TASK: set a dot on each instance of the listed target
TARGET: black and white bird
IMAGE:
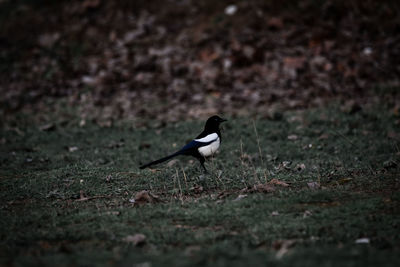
(203, 146)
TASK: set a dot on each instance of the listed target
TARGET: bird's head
(214, 122)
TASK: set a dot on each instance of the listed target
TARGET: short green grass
(200, 220)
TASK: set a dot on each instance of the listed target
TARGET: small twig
(260, 152)
(179, 183)
(184, 176)
(90, 198)
(241, 152)
(258, 142)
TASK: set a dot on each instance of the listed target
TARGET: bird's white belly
(210, 149)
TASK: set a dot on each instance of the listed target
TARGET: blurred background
(167, 60)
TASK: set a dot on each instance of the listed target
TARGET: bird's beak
(222, 120)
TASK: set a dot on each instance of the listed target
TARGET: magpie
(203, 146)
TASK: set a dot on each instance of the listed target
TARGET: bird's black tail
(160, 160)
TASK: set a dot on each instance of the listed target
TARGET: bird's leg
(202, 160)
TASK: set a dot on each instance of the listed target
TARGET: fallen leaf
(389, 164)
(144, 145)
(231, 10)
(264, 188)
(294, 62)
(223, 195)
(282, 247)
(145, 197)
(116, 144)
(313, 185)
(108, 178)
(307, 213)
(49, 39)
(393, 135)
(275, 23)
(47, 127)
(300, 167)
(286, 164)
(136, 239)
(72, 148)
(172, 162)
(240, 197)
(90, 4)
(278, 182)
(208, 56)
(396, 110)
(351, 107)
(292, 137)
(275, 213)
(283, 165)
(197, 189)
(364, 240)
(82, 195)
(323, 136)
(345, 180)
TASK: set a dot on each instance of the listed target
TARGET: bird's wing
(208, 138)
(196, 143)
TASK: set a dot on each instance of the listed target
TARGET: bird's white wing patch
(208, 138)
(210, 149)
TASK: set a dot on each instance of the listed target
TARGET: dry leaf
(82, 195)
(49, 39)
(144, 196)
(108, 178)
(345, 180)
(240, 197)
(389, 164)
(313, 185)
(393, 135)
(364, 240)
(231, 10)
(275, 23)
(278, 182)
(282, 247)
(264, 188)
(72, 148)
(351, 107)
(294, 62)
(223, 195)
(90, 4)
(136, 239)
(323, 136)
(307, 213)
(47, 127)
(197, 189)
(300, 167)
(172, 162)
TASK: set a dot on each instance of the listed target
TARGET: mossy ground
(66, 193)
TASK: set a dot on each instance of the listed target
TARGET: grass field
(312, 188)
